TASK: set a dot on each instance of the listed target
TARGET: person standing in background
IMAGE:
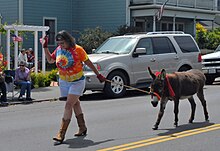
(22, 57)
(30, 58)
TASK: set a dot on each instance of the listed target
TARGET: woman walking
(69, 57)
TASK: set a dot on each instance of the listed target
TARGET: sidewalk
(50, 93)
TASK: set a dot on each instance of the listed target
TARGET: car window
(117, 45)
(186, 44)
(147, 44)
(162, 45)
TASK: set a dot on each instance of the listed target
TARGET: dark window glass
(139, 26)
(162, 45)
(147, 44)
(51, 32)
(180, 27)
(186, 44)
(164, 26)
(170, 27)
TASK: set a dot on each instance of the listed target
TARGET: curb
(29, 102)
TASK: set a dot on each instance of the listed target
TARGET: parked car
(124, 59)
(211, 65)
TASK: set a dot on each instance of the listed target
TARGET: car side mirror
(139, 51)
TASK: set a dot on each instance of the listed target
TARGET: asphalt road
(113, 124)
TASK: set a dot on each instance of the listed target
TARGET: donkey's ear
(151, 73)
(163, 74)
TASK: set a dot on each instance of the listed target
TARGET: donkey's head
(157, 85)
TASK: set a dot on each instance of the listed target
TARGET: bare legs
(72, 103)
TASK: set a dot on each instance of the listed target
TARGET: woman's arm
(46, 50)
(98, 75)
(91, 66)
(48, 55)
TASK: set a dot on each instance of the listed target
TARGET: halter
(171, 92)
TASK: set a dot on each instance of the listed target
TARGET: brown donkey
(176, 86)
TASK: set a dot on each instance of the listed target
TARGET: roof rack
(136, 33)
(165, 32)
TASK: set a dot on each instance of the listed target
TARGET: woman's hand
(44, 41)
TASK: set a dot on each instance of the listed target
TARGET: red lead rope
(151, 93)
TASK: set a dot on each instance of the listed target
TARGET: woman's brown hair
(65, 36)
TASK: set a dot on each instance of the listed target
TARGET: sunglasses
(60, 42)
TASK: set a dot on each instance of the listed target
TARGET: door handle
(152, 59)
(176, 57)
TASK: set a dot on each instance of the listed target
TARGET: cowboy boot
(82, 127)
(61, 134)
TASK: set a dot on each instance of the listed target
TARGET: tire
(209, 80)
(114, 90)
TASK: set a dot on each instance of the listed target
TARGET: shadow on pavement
(185, 127)
(100, 96)
(81, 142)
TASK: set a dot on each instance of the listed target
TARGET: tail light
(199, 57)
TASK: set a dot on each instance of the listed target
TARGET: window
(167, 26)
(162, 45)
(186, 44)
(147, 44)
(52, 31)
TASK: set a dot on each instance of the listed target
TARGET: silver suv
(124, 59)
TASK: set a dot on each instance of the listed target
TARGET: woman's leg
(80, 119)
(70, 103)
(71, 100)
(77, 108)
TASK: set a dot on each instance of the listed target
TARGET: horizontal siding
(107, 14)
(36, 11)
(9, 11)
(50, 8)
(71, 15)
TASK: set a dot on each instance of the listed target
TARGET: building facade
(178, 15)
(77, 15)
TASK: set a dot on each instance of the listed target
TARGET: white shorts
(75, 87)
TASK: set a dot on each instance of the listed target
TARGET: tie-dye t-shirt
(69, 62)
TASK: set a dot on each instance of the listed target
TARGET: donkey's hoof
(190, 121)
(155, 127)
(207, 118)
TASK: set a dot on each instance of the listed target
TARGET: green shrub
(34, 80)
(53, 75)
(92, 38)
(43, 80)
(47, 81)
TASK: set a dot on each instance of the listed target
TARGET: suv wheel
(115, 88)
